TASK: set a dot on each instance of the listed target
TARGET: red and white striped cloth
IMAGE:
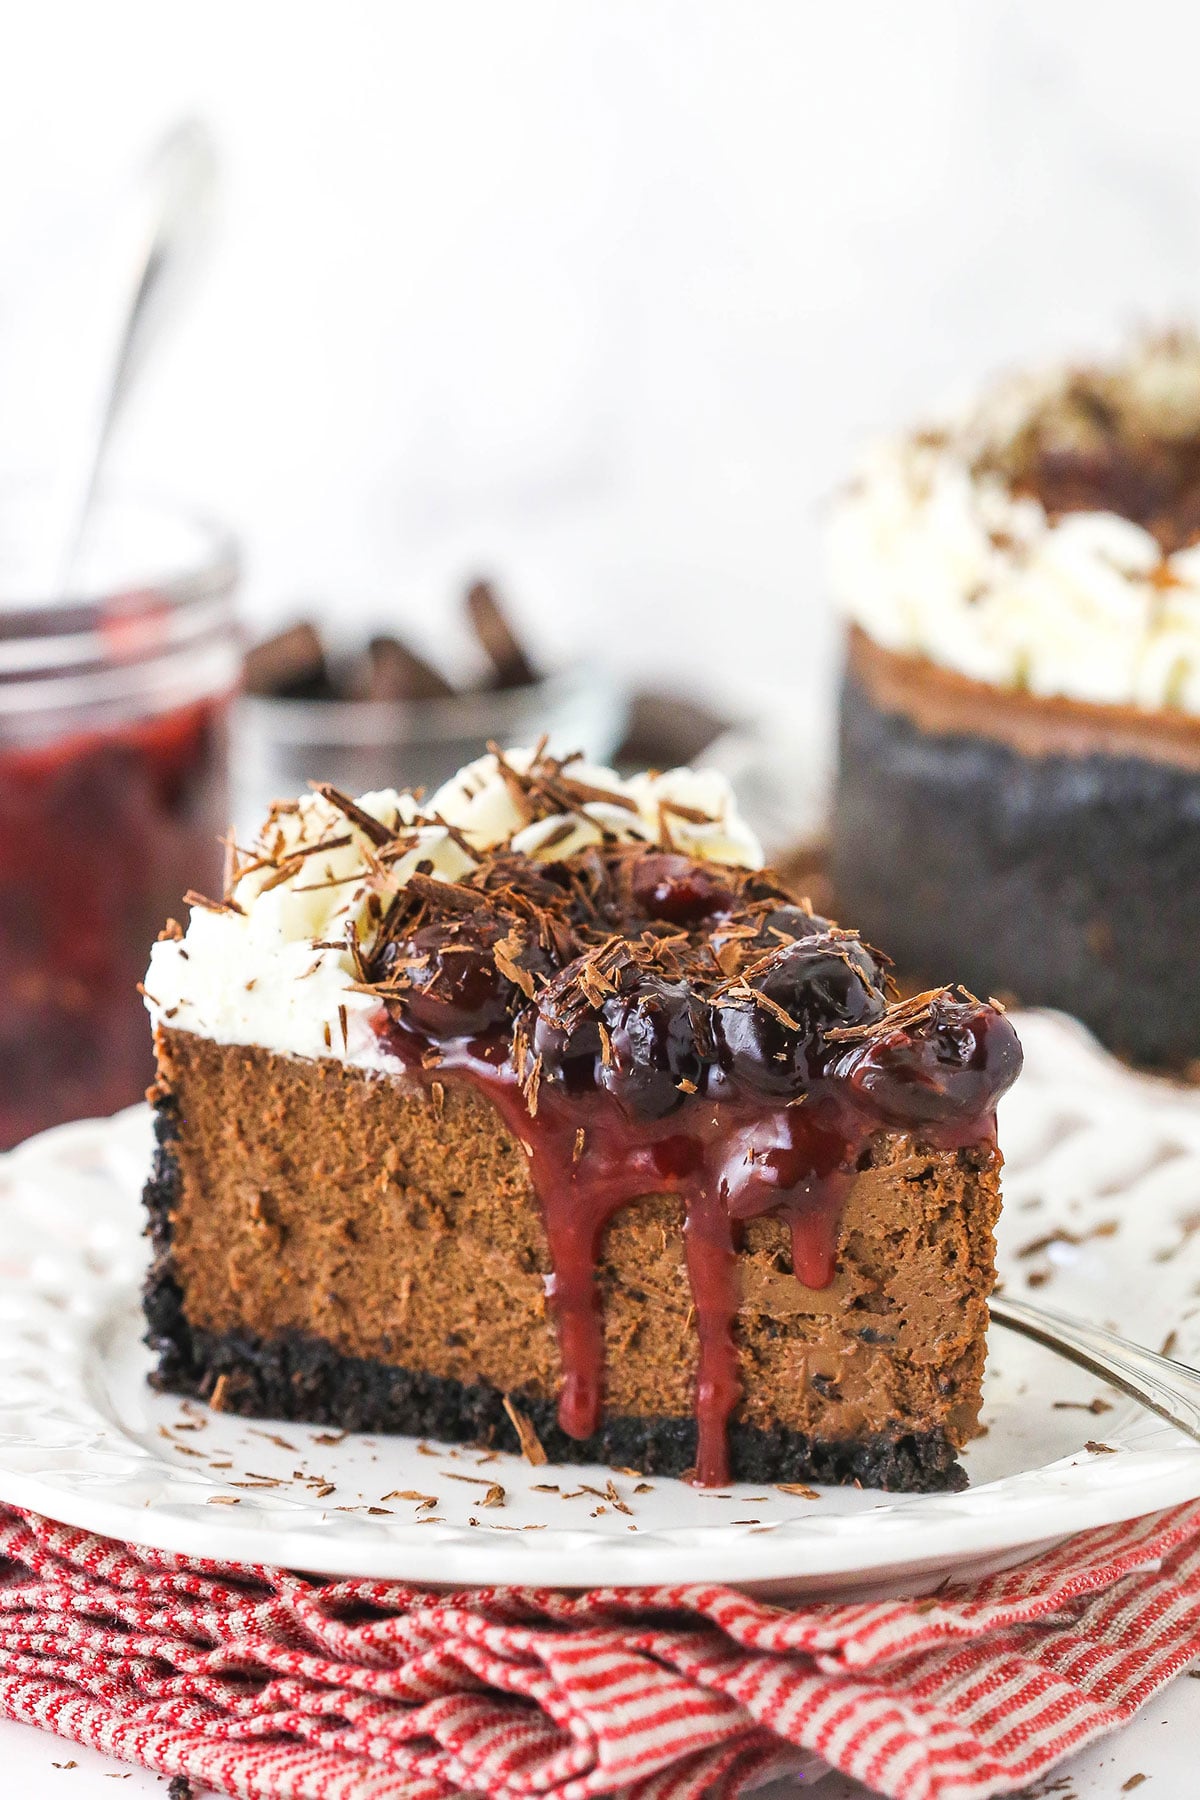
(276, 1686)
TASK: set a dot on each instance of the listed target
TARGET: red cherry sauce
(730, 1156)
(101, 833)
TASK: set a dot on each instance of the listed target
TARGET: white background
(600, 296)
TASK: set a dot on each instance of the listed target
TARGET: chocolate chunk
(492, 628)
(289, 666)
(393, 671)
(665, 730)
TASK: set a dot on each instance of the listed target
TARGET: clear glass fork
(1166, 1387)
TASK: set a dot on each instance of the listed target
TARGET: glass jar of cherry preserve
(113, 793)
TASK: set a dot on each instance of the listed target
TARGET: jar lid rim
(138, 544)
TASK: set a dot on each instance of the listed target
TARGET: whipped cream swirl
(274, 966)
(934, 549)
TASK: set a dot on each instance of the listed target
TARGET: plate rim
(391, 1552)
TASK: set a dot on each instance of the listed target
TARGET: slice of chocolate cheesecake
(539, 1115)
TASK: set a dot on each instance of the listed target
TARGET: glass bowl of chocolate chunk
(381, 715)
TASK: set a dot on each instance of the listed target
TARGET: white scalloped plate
(1102, 1195)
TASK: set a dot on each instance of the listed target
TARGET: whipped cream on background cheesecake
(540, 1106)
(1018, 795)
(944, 547)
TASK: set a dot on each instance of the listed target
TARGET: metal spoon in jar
(1166, 1387)
(152, 239)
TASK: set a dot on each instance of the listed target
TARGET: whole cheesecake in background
(1018, 796)
(537, 1114)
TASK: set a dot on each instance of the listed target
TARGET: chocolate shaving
(515, 783)
(448, 896)
(355, 948)
(692, 814)
(773, 1007)
(457, 837)
(531, 1447)
(317, 887)
(294, 861)
(582, 793)
(902, 1015)
(370, 827)
(545, 789)
(192, 898)
(1035, 1246)
(504, 955)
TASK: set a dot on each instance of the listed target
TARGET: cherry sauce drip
(738, 1110)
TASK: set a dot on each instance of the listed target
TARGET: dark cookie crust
(1067, 881)
(302, 1377)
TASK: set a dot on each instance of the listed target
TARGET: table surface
(1160, 1745)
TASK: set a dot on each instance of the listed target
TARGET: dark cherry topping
(793, 922)
(654, 1054)
(646, 1023)
(1106, 443)
(947, 1060)
(1155, 485)
(823, 981)
(772, 1033)
(668, 886)
(454, 987)
(453, 975)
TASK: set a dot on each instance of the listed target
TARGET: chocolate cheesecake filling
(941, 703)
(651, 1028)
